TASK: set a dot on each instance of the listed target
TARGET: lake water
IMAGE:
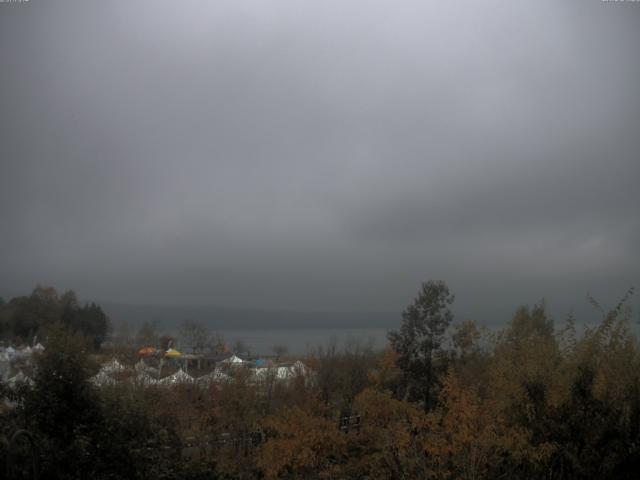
(301, 341)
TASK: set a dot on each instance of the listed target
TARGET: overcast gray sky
(320, 154)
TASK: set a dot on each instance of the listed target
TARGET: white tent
(112, 367)
(20, 378)
(38, 347)
(144, 379)
(214, 377)
(141, 366)
(262, 373)
(179, 377)
(299, 368)
(284, 373)
(101, 379)
(233, 360)
(19, 353)
(10, 352)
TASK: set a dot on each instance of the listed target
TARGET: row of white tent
(144, 378)
(19, 379)
(283, 372)
(9, 354)
(148, 375)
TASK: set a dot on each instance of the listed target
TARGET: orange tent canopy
(146, 351)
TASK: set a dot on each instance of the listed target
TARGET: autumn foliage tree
(301, 445)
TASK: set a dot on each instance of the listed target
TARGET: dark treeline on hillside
(444, 400)
(27, 317)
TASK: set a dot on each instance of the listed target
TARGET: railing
(350, 423)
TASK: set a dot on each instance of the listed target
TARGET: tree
(123, 334)
(465, 337)
(147, 335)
(70, 310)
(465, 439)
(419, 339)
(88, 320)
(387, 446)
(354, 364)
(166, 341)
(94, 324)
(240, 347)
(42, 308)
(387, 376)
(194, 335)
(325, 362)
(280, 351)
(5, 319)
(219, 345)
(83, 432)
(301, 445)
(63, 408)
(525, 352)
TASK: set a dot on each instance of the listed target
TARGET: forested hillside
(25, 318)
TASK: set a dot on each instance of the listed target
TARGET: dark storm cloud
(320, 154)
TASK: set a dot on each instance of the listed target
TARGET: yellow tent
(172, 353)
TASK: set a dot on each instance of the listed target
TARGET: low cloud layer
(320, 155)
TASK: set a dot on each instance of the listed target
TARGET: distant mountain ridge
(221, 318)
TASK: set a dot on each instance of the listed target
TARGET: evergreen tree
(63, 408)
(419, 339)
